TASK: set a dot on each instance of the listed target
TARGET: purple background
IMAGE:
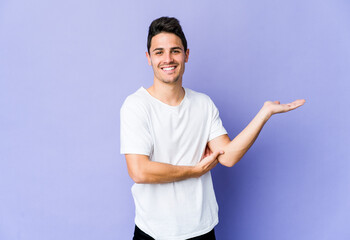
(67, 66)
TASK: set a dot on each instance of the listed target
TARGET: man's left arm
(235, 149)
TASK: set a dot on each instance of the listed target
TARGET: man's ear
(148, 59)
(187, 54)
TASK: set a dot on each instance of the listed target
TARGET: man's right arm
(142, 170)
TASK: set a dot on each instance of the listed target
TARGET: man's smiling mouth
(169, 69)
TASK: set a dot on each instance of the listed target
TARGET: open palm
(276, 107)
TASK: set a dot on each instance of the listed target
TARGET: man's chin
(170, 81)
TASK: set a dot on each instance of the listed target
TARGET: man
(172, 137)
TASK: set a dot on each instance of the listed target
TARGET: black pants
(140, 235)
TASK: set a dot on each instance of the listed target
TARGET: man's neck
(171, 94)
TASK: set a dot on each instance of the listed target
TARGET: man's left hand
(276, 107)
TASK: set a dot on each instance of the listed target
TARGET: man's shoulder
(136, 97)
(136, 100)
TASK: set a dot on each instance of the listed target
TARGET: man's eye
(176, 51)
(158, 53)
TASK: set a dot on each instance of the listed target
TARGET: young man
(172, 137)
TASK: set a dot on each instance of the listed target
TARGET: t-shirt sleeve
(135, 137)
(216, 128)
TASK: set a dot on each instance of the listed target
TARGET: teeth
(169, 68)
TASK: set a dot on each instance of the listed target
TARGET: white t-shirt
(176, 135)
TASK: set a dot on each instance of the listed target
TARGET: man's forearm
(236, 149)
(156, 172)
(143, 170)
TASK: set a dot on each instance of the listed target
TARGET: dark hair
(166, 24)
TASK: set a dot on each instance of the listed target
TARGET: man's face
(167, 57)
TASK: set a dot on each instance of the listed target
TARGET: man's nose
(168, 57)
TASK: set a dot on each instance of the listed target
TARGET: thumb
(216, 154)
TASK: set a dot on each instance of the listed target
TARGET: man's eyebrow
(161, 49)
(157, 49)
(176, 48)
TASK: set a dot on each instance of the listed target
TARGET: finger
(207, 151)
(205, 154)
(296, 104)
(213, 164)
(216, 154)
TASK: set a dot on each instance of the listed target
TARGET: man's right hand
(209, 161)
